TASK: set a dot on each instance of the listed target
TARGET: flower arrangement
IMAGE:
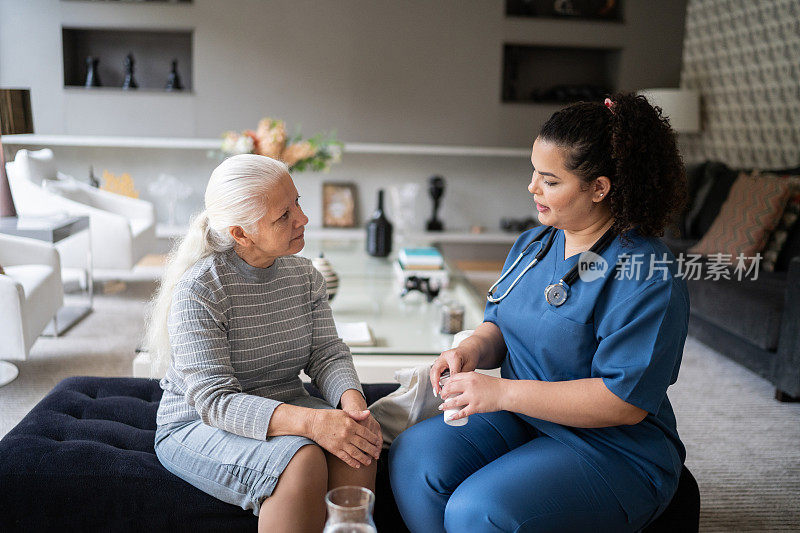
(270, 139)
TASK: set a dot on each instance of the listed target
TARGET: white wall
(375, 71)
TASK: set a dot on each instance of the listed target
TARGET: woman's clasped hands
(352, 436)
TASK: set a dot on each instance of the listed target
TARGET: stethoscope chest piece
(556, 293)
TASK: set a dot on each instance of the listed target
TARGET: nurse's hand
(473, 392)
(459, 359)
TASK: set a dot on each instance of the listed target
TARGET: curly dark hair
(633, 145)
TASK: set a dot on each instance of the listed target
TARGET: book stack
(421, 259)
(426, 262)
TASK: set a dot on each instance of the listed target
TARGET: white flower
(244, 144)
(233, 143)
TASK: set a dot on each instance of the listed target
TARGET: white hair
(236, 195)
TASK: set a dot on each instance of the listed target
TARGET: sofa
(31, 293)
(122, 229)
(755, 322)
(83, 460)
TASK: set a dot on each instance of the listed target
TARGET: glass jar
(350, 510)
(452, 319)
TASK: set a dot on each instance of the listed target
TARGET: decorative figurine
(174, 79)
(436, 190)
(171, 190)
(130, 81)
(424, 285)
(92, 76)
(93, 181)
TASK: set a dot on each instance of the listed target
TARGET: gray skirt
(235, 469)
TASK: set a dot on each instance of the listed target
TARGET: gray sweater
(240, 336)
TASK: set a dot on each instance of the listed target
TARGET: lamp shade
(681, 106)
(15, 111)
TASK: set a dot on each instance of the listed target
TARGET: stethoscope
(555, 293)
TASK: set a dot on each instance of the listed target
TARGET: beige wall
(404, 71)
(378, 71)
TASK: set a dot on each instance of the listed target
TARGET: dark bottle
(379, 231)
(174, 80)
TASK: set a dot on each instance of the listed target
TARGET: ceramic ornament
(328, 274)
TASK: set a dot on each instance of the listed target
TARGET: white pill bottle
(448, 413)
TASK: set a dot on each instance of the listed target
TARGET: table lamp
(15, 118)
(681, 106)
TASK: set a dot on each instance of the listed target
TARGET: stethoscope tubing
(564, 283)
(543, 249)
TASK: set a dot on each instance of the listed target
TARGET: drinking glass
(350, 510)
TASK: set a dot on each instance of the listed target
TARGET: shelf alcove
(557, 74)
(153, 52)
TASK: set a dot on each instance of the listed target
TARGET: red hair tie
(608, 103)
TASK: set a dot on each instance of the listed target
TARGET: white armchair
(122, 229)
(30, 295)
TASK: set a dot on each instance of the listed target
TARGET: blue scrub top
(630, 332)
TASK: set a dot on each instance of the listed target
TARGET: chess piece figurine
(130, 81)
(174, 79)
(436, 190)
(92, 76)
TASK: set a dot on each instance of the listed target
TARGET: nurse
(578, 434)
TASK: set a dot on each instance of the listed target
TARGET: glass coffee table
(406, 330)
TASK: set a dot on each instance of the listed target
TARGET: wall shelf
(214, 144)
(74, 89)
(165, 231)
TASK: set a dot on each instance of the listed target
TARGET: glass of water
(350, 510)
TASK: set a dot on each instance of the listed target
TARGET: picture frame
(339, 205)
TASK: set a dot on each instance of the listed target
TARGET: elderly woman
(578, 434)
(236, 318)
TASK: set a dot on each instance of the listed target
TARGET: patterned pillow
(778, 238)
(751, 212)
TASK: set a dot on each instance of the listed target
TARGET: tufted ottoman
(83, 460)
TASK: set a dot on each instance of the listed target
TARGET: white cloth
(411, 403)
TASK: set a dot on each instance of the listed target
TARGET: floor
(743, 446)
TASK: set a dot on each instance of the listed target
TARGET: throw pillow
(2, 272)
(787, 223)
(753, 208)
(709, 197)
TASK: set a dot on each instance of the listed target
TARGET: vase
(328, 274)
(379, 231)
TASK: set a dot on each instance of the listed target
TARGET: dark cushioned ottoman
(83, 460)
